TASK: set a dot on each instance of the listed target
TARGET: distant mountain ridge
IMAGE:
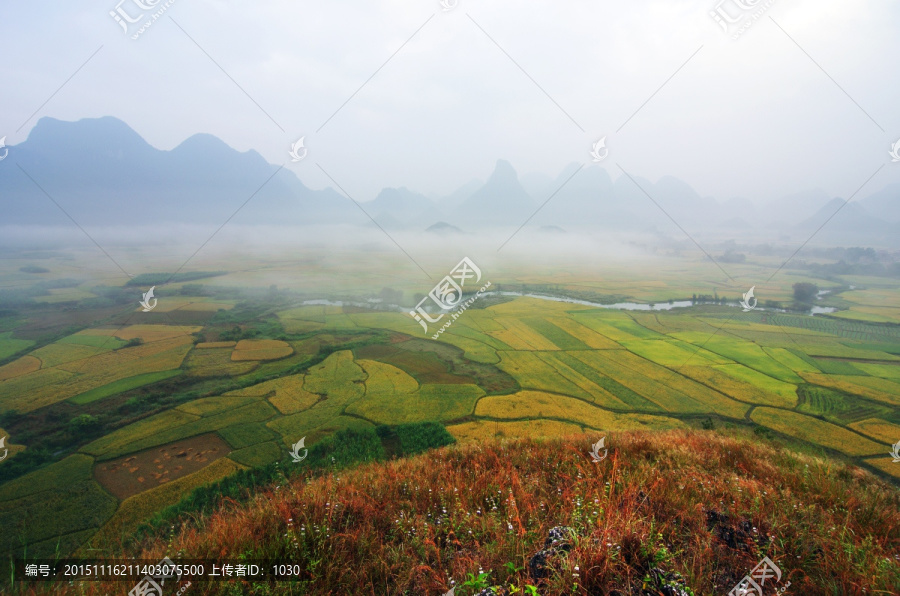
(103, 173)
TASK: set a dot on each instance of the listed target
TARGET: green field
(9, 345)
(123, 385)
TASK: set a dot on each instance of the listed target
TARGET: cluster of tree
(732, 256)
(875, 269)
(18, 297)
(805, 292)
(391, 296)
(708, 299)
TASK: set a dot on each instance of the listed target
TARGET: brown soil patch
(132, 474)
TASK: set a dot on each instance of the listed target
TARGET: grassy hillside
(673, 512)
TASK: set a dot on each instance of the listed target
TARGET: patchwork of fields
(520, 367)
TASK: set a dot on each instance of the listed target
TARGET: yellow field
(337, 375)
(483, 429)
(885, 371)
(597, 322)
(121, 438)
(73, 378)
(815, 431)
(17, 368)
(215, 362)
(667, 353)
(215, 344)
(871, 387)
(56, 354)
(290, 397)
(261, 349)
(538, 404)
(474, 350)
(588, 336)
(772, 387)
(886, 465)
(215, 405)
(520, 336)
(15, 393)
(731, 386)
(878, 429)
(384, 379)
(792, 361)
(430, 402)
(533, 373)
(672, 392)
(591, 390)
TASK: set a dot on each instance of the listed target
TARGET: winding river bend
(378, 305)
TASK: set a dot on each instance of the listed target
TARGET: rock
(494, 591)
(667, 583)
(558, 542)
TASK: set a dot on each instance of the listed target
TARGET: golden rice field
(17, 368)
(261, 349)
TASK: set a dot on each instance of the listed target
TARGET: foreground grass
(662, 507)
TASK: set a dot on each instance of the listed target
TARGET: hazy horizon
(430, 99)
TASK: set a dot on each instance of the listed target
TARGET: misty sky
(753, 117)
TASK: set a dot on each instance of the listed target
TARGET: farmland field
(125, 416)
